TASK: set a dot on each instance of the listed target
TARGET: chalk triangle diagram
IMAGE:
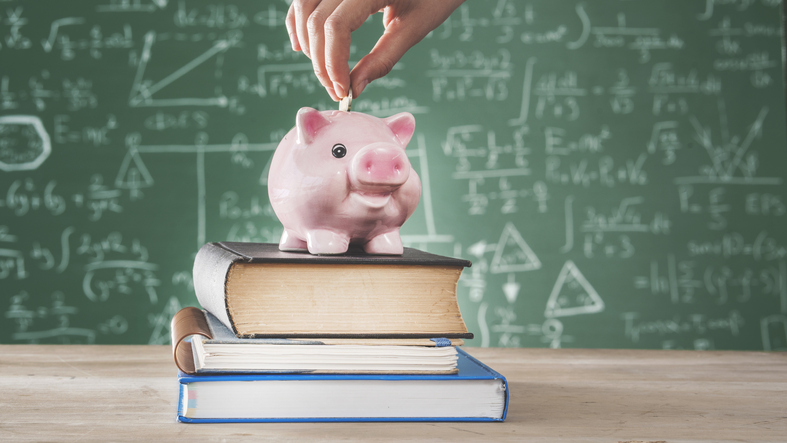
(512, 253)
(143, 90)
(161, 323)
(133, 173)
(572, 294)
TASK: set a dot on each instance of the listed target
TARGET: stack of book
(286, 336)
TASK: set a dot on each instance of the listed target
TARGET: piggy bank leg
(325, 242)
(289, 242)
(386, 244)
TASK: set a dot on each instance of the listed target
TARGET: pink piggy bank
(343, 178)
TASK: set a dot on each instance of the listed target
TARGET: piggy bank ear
(402, 125)
(308, 123)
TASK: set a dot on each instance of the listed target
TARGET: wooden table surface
(129, 393)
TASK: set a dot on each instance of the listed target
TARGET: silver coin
(346, 102)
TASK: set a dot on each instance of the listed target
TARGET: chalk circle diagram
(572, 294)
(24, 143)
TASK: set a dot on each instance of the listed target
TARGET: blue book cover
(475, 393)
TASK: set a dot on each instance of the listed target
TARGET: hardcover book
(475, 393)
(258, 291)
(203, 345)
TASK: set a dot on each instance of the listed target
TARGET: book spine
(187, 322)
(211, 266)
(493, 374)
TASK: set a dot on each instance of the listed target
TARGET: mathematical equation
(613, 170)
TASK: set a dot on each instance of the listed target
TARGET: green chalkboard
(614, 169)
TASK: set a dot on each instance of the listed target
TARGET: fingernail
(361, 86)
(339, 90)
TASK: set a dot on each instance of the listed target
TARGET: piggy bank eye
(339, 150)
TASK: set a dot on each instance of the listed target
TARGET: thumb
(393, 44)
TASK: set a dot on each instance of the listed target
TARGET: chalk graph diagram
(143, 90)
(730, 156)
(432, 235)
(134, 175)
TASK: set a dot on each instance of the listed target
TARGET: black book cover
(270, 253)
(214, 260)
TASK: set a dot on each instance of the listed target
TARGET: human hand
(321, 30)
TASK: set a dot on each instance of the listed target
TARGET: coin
(346, 102)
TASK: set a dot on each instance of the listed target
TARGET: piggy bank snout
(381, 165)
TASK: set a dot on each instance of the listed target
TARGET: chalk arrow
(511, 289)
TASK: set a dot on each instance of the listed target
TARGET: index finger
(289, 23)
(345, 19)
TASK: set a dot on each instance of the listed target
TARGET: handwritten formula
(614, 170)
